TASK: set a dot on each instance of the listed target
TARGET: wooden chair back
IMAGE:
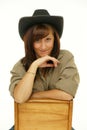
(43, 114)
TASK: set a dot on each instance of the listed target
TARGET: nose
(43, 45)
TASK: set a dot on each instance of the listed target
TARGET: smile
(42, 51)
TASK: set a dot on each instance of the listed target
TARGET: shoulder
(66, 57)
(65, 54)
(18, 68)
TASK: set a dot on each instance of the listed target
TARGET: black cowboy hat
(38, 17)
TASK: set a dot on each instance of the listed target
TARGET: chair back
(43, 114)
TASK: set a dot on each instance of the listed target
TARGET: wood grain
(43, 114)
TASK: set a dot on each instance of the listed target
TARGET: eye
(37, 40)
(48, 39)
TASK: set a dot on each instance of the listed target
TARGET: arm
(23, 89)
(53, 94)
(66, 84)
(67, 77)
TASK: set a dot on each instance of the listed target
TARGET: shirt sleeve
(67, 78)
(17, 74)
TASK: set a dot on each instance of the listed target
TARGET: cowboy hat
(38, 17)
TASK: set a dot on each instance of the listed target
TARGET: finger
(55, 61)
(50, 65)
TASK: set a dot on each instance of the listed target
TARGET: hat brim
(27, 22)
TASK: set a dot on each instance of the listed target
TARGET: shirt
(64, 77)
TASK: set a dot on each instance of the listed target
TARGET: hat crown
(40, 12)
(40, 16)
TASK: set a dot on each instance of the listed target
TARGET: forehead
(42, 30)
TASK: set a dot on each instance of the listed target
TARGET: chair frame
(43, 114)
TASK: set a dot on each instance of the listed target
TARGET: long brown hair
(34, 33)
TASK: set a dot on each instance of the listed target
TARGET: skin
(23, 90)
(43, 47)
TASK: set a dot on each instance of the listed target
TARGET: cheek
(36, 46)
(51, 45)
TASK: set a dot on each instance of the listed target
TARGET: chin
(42, 55)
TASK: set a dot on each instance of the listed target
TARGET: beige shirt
(64, 77)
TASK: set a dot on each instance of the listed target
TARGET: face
(44, 46)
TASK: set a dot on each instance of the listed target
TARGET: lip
(44, 51)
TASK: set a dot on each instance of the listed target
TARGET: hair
(34, 33)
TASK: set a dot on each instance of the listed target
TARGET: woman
(45, 71)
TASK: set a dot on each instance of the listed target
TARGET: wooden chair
(43, 114)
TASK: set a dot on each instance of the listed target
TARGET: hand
(46, 61)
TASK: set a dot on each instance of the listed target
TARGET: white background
(74, 38)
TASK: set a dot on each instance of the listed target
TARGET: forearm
(23, 89)
(52, 94)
